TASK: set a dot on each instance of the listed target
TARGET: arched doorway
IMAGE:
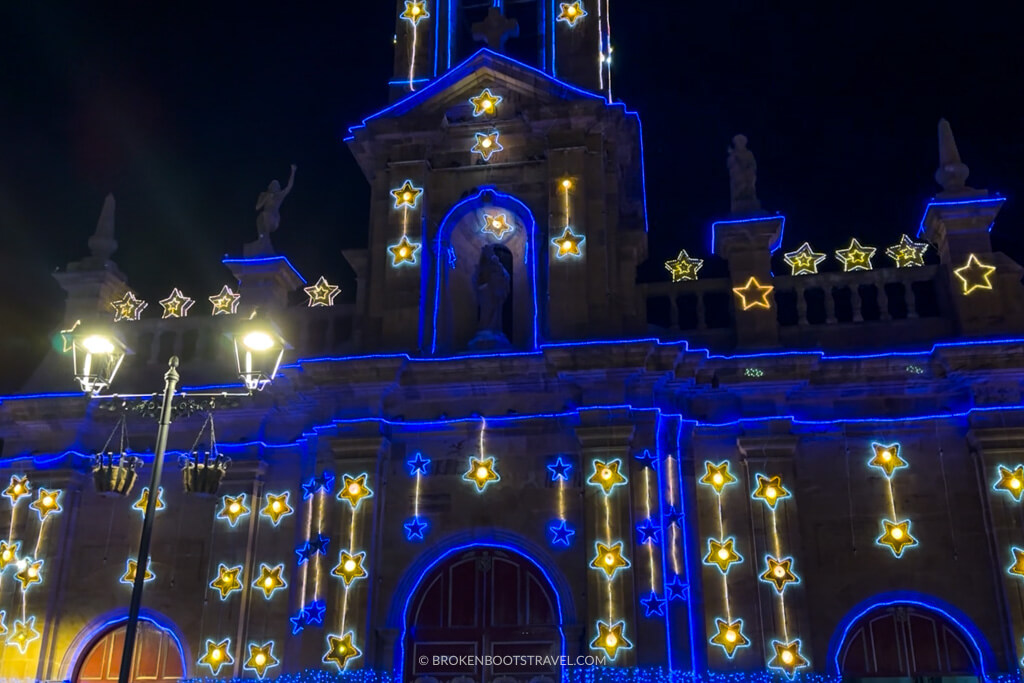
(158, 657)
(478, 603)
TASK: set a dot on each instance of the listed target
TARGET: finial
(742, 177)
(952, 173)
(102, 244)
(495, 29)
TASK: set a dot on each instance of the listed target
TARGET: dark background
(185, 111)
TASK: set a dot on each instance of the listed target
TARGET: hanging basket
(115, 473)
(202, 473)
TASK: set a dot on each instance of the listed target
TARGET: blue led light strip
(265, 259)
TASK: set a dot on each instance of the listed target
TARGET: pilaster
(747, 244)
(264, 282)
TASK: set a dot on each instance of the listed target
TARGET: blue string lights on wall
(560, 530)
(416, 526)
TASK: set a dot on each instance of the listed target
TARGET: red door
(157, 656)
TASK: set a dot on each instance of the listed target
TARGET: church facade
(506, 459)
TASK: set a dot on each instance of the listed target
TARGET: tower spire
(102, 244)
(952, 172)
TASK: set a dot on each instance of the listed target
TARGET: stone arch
(98, 628)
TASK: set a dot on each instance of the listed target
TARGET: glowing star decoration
(270, 580)
(322, 293)
(611, 639)
(804, 261)
(676, 589)
(683, 267)
(560, 470)
(418, 465)
(717, 476)
(561, 533)
(47, 502)
(415, 11)
(653, 605)
(485, 103)
(974, 275)
(497, 225)
(779, 573)
(226, 302)
(481, 472)
(415, 528)
(722, 554)
(217, 655)
(128, 307)
(176, 305)
(340, 650)
(907, 253)
(1011, 481)
(770, 490)
(143, 500)
(606, 475)
(18, 487)
(571, 12)
(754, 294)
(23, 632)
(609, 559)
(354, 490)
(1018, 562)
(404, 252)
(487, 144)
(729, 636)
(887, 458)
(261, 658)
(227, 580)
(8, 553)
(568, 244)
(897, 536)
(855, 257)
(276, 508)
(30, 572)
(350, 567)
(407, 195)
(232, 508)
(787, 657)
(131, 569)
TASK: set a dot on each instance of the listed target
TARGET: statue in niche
(492, 285)
(269, 217)
(742, 177)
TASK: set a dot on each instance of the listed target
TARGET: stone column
(747, 244)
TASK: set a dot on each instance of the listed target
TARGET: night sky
(185, 111)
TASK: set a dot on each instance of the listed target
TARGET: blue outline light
(957, 202)
(733, 221)
(266, 259)
(648, 532)
(560, 470)
(561, 533)
(677, 589)
(418, 464)
(110, 621)
(415, 528)
(653, 606)
(666, 547)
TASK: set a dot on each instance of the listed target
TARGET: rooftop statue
(742, 177)
(269, 217)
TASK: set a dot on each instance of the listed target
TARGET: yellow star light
(497, 225)
(754, 294)
(46, 502)
(143, 500)
(261, 658)
(606, 475)
(804, 261)
(1018, 562)
(887, 458)
(23, 633)
(340, 650)
(226, 302)
(481, 472)
(787, 657)
(974, 274)
(486, 144)
(407, 195)
(131, 569)
(232, 508)
(18, 487)
(722, 554)
(217, 655)
(128, 307)
(683, 267)
(568, 244)
(609, 559)
(571, 12)
(8, 553)
(485, 103)
(354, 490)
(276, 507)
(322, 293)
(779, 573)
(1011, 481)
(270, 579)
(770, 490)
(404, 252)
(717, 476)
(730, 636)
(897, 536)
(611, 639)
(176, 305)
(907, 253)
(30, 572)
(415, 11)
(350, 567)
(855, 257)
(227, 580)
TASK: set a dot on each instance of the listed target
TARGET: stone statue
(742, 177)
(492, 285)
(269, 207)
(952, 173)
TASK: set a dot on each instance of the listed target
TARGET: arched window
(157, 656)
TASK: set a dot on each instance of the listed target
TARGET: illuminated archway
(95, 653)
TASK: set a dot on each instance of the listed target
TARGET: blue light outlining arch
(974, 638)
(111, 621)
(494, 198)
(413, 577)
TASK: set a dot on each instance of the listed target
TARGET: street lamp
(97, 356)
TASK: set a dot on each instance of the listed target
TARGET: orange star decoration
(611, 639)
(855, 257)
(683, 267)
(233, 508)
(276, 507)
(354, 490)
(128, 307)
(717, 476)
(907, 253)
(804, 261)
(974, 275)
(571, 12)
(270, 579)
(779, 573)
(606, 475)
(754, 294)
(322, 293)
(770, 490)
(227, 580)
(47, 502)
(8, 553)
(787, 657)
(407, 195)
(568, 244)
(176, 305)
(497, 225)
(897, 536)
(30, 572)
(1011, 481)
(485, 103)
(18, 487)
(486, 145)
(217, 655)
(261, 658)
(143, 500)
(609, 559)
(481, 472)
(226, 302)
(722, 554)
(131, 570)
(404, 252)
(350, 567)
(730, 636)
(415, 11)
(23, 633)
(1018, 562)
(340, 650)
(887, 458)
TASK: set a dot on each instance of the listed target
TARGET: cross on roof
(495, 29)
